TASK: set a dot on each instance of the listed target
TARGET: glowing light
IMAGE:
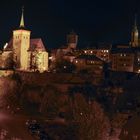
(50, 58)
(5, 46)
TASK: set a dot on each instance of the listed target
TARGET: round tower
(72, 40)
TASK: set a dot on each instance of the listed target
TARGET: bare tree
(93, 123)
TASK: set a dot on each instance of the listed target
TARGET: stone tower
(21, 44)
(72, 40)
(135, 34)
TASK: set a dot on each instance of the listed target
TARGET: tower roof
(135, 28)
(36, 45)
(22, 19)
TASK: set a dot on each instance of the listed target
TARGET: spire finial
(22, 18)
(135, 23)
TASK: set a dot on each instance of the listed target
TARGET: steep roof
(36, 44)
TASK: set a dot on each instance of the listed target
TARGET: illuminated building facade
(65, 52)
(123, 59)
(89, 63)
(27, 54)
(126, 59)
(102, 51)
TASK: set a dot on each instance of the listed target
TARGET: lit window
(81, 113)
(125, 132)
(71, 60)
(76, 61)
(91, 51)
(121, 55)
(135, 137)
(85, 51)
(124, 55)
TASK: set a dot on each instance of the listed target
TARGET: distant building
(65, 52)
(89, 63)
(135, 35)
(72, 40)
(27, 54)
(102, 51)
(125, 59)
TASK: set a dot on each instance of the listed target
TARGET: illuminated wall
(21, 44)
(123, 62)
(42, 61)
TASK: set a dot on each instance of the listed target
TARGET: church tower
(72, 40)
(135, 34)
(21, 44)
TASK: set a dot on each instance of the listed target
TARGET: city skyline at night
(94, 21)
(70, 70)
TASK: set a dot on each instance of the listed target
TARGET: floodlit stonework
(26, 54)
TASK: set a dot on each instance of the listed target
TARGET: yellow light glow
(5, 46)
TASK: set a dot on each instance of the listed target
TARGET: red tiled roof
(36, 44)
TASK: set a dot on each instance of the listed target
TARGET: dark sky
(93, 20)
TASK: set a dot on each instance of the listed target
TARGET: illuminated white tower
(21, 44)
(135, 34)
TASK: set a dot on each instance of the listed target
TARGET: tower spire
(135, 34)
(22, 18)
(135, 23)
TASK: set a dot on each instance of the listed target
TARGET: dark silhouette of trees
(92, 122)
(64, 66)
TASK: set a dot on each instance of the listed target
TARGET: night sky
(94, 21)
